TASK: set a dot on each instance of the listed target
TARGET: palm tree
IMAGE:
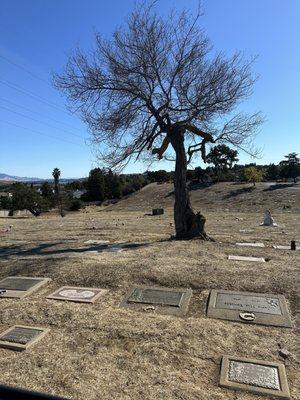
(56, 175)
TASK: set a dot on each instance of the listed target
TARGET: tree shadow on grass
(46, 249)
(279, 186)
(238, 192)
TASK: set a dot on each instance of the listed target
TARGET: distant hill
(12, 178)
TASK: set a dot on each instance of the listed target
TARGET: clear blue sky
(38, 35)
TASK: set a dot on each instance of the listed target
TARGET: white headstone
(268, 220)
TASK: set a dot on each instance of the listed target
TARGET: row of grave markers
(236, 373)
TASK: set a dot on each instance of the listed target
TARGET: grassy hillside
(224, 195)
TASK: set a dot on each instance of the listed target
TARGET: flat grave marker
(20, 286)
(247, 307)
(21, 337)
(104, 242)
(257, 376)
(78, 294)
(248, 244)
(245, 258)
(284, 247)
(163, 300)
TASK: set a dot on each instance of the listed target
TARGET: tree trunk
(187, 223)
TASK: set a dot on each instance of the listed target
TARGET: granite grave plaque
(245, 258)
(21, 337)
(257, 308)
(283, 247)
(156, 296)
(258, 376)
(248, 244)
(163, 300)
(78, 294)
(20, 286)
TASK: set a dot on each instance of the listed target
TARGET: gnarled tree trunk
(187, 223)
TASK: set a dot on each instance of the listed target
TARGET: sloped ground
(103, 351)
(224, 195)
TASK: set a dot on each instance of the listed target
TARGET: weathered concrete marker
(257, 376)
(244, 258)
(247, 307)
(21, 337)
(78, 294)
(248, 244)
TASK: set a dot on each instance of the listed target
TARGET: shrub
(76, 205)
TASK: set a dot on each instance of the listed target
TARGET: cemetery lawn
(101, 351)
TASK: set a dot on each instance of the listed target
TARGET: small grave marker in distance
(257, 376)
(248, 244)
(245, 258)
(157, 211)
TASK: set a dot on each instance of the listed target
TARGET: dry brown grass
(103, 351)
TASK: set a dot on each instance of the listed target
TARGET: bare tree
(156, 84)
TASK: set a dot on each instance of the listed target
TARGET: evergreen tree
(25, 197)
(116, 188)
(272, 172)
(290, 168)
(96, 185)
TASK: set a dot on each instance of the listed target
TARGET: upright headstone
(157, 211)
(268, 219)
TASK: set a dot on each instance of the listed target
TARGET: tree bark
(188, 224)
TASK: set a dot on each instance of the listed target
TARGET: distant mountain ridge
(12, 178)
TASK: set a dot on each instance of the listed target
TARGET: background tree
(222, 157)
(154, 85)
(56, 175)
(290, 168)
(272, 172)
(253, 175)
(96, 185)
(47, 194)
(25, 198)
(113, 186)
(200, 174)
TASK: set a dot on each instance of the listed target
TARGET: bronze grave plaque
(156, 296)
(257, 308)
(163, 300)
(77, 294)
(21, 337)
(20, 286)
(258, 376)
